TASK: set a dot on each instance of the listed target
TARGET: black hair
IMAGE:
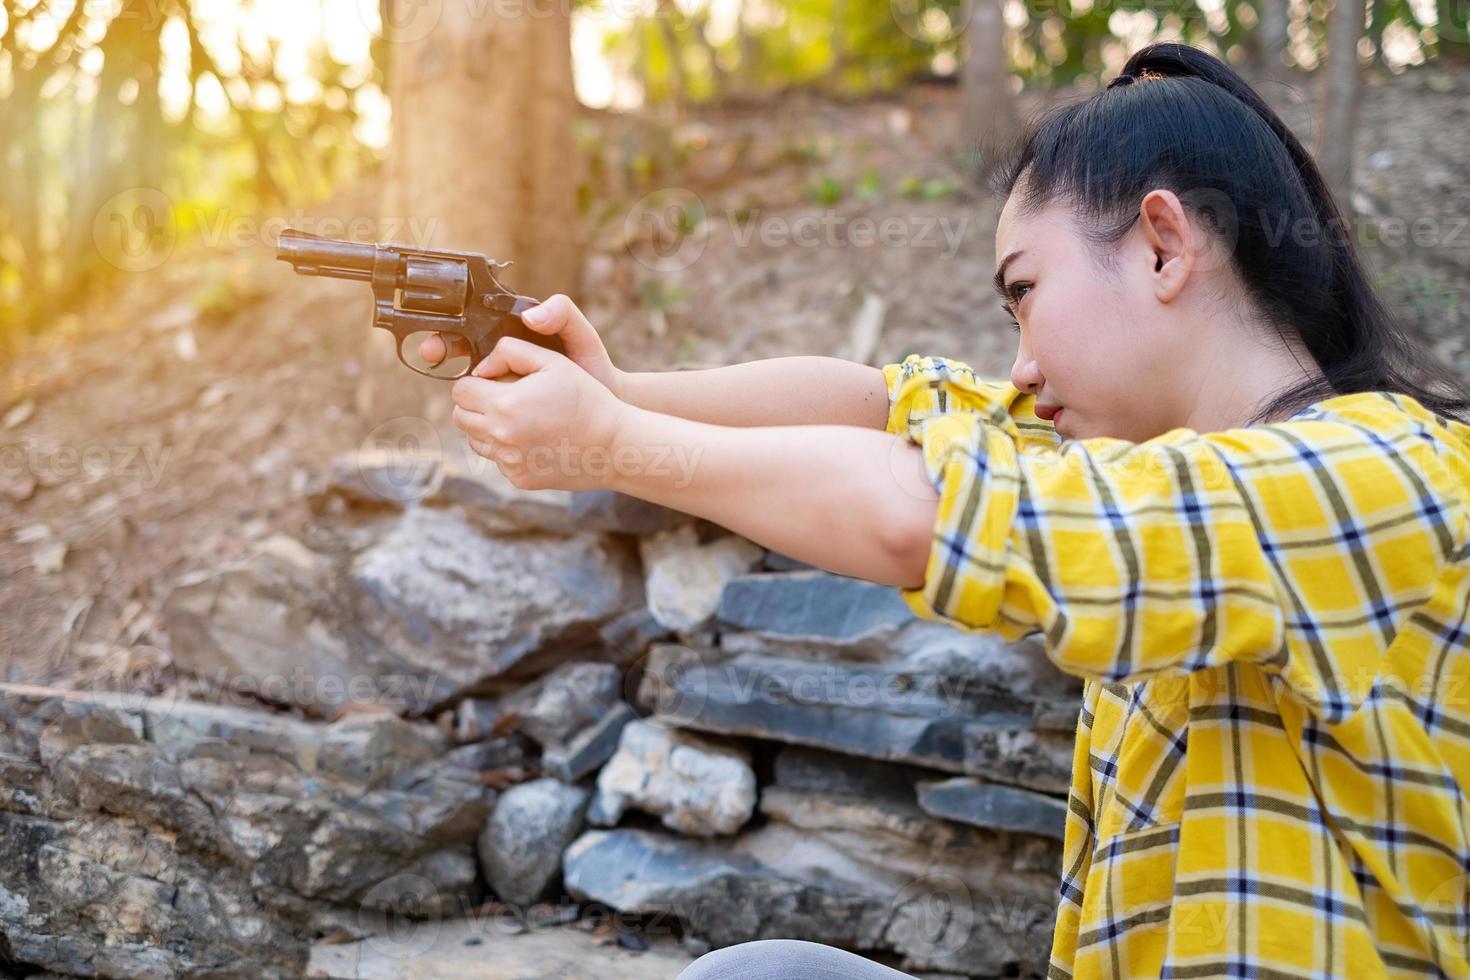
(1179, 118)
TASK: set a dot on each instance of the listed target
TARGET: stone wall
(551, 704)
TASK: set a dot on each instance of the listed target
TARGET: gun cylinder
(434, 285)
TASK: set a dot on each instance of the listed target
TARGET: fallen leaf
(19, 413)
(504, 778)
(32, 533)
(349, 708)
(18, 489)
(49, 556)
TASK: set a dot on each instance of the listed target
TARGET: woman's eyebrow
(1000, 274)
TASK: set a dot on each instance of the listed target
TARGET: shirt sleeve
(920, 388)
(1301, 546)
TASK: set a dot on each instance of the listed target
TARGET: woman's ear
(1172, 240)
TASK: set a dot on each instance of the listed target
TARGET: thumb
(512, 355)
(559, 316)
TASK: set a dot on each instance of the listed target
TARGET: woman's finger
(473, 424)
(433, 349)
(559, 316)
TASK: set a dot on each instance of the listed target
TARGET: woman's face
(1107, 347)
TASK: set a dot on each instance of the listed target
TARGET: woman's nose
(1026, 376)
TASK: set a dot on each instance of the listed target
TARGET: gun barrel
(324, 256)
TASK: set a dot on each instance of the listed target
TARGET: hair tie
(1121, 80)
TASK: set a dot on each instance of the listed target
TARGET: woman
(1221, 484)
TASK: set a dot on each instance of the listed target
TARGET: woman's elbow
(910, 538)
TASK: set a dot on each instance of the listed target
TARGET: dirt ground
(191, 413)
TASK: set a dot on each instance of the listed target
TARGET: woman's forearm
(804, 390)
(842, 498)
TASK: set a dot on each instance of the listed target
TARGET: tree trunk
(1339, 115)
(1271, 35)
(988, 106)
(482, 155)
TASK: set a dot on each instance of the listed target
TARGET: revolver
(420, 292)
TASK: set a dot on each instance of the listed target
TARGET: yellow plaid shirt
(1274, 746)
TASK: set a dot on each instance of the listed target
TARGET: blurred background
(212, 470)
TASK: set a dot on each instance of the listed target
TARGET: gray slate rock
(521, 845)
(592, 747)
(948, 721)
(998, 807)
(389, 479)
(430, 610)
(608, 510)
(811, 603)
(151, 837)
(860, 874)
(566, 701)
(800, 768)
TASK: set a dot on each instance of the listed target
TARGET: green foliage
(926, 189)
(660, 295)
(109, 126)
(826, 191)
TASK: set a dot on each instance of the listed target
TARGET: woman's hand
(558, 316)
(555, 317)
(547, 423)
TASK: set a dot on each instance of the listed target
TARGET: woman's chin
(1061, 422)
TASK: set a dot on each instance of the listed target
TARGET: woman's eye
(1015, 325)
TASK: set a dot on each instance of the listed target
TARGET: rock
(799, 768)
(500, 507)
(489, 949)
(686, 579)
(520, 847)
(92, 896)
(393, 478)
(474, 719)
(628, 637)
(429, 611)
(997, 807)
(477, 608)
(589, 749)
(696, 787)
(569, 699)
(608, 510)
(860, 874)
(811, 603)
(777, 562)
(953, 720)
(266, 627)
(167, 838)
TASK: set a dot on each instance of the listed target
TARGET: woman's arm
(831, 495)
(775, 391)
(806, 390)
